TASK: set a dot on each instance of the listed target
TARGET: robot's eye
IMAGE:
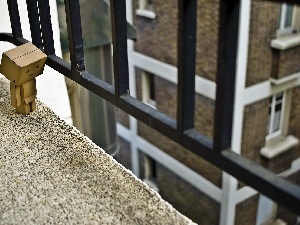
(27, 71)
(37, 67)
(31, 75)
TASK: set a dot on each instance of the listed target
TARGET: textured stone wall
(158, 38)
(246, 211)
(204, 115)
(165, 94)
(124, 154)
(254, 129)
(263, 25)
(294, 122)
(122, 117)
(284, 214)
(285, 62)
(207, 38)
(281, 162)
(187, 199)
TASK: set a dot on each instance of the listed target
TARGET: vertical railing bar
(73, 18)
(34, 21)
(119, 39)
(227, 52)
(187, 16)
(46, 26)
(14, 18)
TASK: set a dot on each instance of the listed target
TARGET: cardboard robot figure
(21, 65)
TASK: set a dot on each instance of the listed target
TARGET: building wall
(156, 38)
(285, 62)
(263, 25)
(254, 129)
(207, 38)
(282, 212)
(246, 211)
(165, 93)
(294, 120)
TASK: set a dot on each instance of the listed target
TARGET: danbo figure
(21, 65)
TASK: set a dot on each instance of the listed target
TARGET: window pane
(152, 87)
(279, 96)
(276, 122)
(288, 16)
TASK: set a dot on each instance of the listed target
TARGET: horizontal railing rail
(181, 130)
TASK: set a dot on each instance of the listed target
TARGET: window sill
(145, 13)
(277, 222)
(278, 146)
(286, 42)
(284, 80)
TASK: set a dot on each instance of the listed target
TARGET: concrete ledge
(286, 42)
(51, 174)
(279, 146)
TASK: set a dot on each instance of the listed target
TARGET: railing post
(34, 21)
(227, 52)
(73, 18)
(46, 26)
(119, 39)
(187, 16)
(14, 18)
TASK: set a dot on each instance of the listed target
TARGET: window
(279, 112)
(146, 5)
(148, 88)
(146, 9)
(289, 20)
(275, 116)
(150, 172)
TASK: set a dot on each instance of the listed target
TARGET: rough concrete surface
(51, 174)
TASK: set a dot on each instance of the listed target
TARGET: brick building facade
(267, 108)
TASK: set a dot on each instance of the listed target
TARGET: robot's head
(23, 63)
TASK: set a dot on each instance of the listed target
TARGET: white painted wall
(51, 86)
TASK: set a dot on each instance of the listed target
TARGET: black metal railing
(216, 151)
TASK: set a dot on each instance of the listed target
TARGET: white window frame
(146, 9)
(294, 28)
(285, 102)
(146, 89)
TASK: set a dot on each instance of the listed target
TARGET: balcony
(51, 173)
(217, 150)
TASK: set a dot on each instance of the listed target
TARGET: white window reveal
(146, 9)
(148, 89)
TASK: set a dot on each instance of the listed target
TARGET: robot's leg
(23, 109)
(32, 106)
